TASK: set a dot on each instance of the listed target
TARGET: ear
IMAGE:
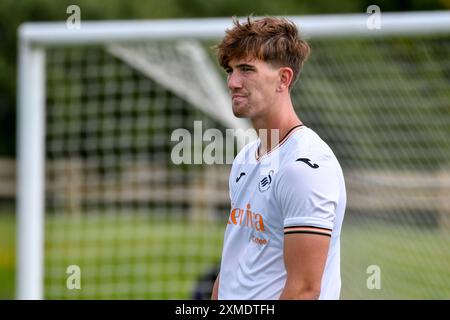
(285, 78)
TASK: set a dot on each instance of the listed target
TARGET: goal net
(99, 188)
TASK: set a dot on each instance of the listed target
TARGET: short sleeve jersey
(297, 187)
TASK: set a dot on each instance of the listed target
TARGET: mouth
(238, 97)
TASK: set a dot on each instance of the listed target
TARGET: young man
(288, 193)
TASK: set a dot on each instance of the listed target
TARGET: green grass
(7, 255)
(137, 256)
(414, 262)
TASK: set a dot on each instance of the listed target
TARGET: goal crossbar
(57, 33)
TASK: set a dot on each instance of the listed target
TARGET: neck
(273, 126)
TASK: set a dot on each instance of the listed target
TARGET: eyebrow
(245, 65)
(241, 65)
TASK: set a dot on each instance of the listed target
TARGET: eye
(228, 71)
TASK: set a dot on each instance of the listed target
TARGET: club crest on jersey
(265, 182)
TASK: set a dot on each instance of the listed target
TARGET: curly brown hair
(270, 39)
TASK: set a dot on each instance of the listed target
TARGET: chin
(240, 111)
(239, 114)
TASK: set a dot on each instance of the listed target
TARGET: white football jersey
(298, 187)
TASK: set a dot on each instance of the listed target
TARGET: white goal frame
(33, 39)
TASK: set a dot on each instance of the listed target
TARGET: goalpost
(97, 189)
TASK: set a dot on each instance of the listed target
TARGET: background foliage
(15, 12)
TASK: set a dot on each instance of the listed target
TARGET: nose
(234, 81)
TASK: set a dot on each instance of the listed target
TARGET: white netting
(141, 227)
(383, 104)
(136, 224)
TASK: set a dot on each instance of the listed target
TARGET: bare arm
(215, 292)
(305, 256)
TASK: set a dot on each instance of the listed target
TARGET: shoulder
(307, 141)
(307, 151)
(308, 162)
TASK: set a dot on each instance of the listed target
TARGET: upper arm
(304, 258)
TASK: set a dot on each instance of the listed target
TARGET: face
(252, 84)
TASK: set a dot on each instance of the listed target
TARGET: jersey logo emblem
(308, 162)
(240, 176)
(265, 182)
